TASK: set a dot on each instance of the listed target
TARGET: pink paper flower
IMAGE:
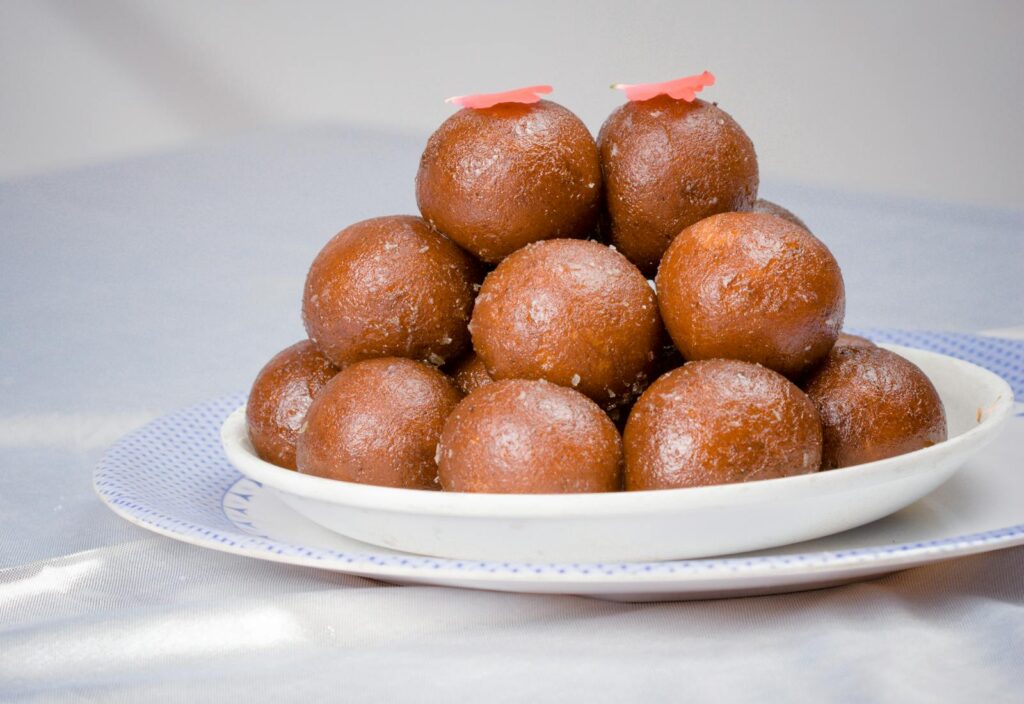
(486, 100)
(680, 89)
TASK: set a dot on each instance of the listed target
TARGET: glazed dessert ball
(529, 437)
(873, 404)
(573, 312)
(377, 422)
(720, 421)
(752, 287)
(390, 286)
(766, 206)
(666, 164)
(845, 339)
(499, 178)
(280, 397)
(470, 374)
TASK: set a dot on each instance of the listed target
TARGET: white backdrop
(912, 98)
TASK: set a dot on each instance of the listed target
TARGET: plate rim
(678, 573)
(696, 571)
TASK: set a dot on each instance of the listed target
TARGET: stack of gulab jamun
(510, 339)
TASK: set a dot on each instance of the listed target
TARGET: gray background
(910, 98)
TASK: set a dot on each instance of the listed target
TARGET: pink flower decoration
(486, 100)
(680, 89)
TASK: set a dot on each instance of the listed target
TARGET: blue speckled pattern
(999, 355)
(171, 475)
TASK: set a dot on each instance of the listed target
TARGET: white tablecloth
(130, 289)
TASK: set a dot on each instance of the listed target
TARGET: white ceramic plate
(649, 525)
(171, 477)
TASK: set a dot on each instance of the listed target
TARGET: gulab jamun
(470, 373)
(751, 287)
(572, 312)
(498, 178)
(666, 164)
(845, 339)
(768, 207)
(280, 398)
(873, 404)
(720, 421)
(377, 422)
(390, 286)
(519, 436)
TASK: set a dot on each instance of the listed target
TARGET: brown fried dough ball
(845, 339)
(496, 179)
(573, 312)
(873, 404)
(753, 287)
(666, 164)
(529, 437)
(768, 207)
(280, 397)
(470, 373)
(377, 422)
(390, 286)
(720, 421)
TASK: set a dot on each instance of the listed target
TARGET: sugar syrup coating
(470, 373)
(574, 313)
(499, 178)
(845, 339)
(377, 422)
(519, 436)
(766, 206)
(390, 286)
(752, 287)
(873, 404)
(720, 421)
(280, 397)
(666, 164)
